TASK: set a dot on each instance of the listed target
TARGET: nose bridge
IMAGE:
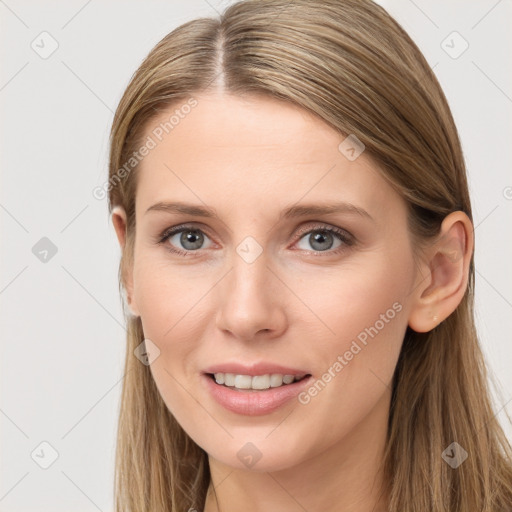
(248, 300)
(250, 255)
(250, 275)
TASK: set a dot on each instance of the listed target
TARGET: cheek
(172, 305)
(361, 315)
(356, 358)
(168, 306)
(165, 298)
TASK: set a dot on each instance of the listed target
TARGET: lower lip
(251, 402)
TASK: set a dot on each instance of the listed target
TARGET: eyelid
(322, 226)
(168, 232)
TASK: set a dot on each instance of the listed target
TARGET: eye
(190, 238)
(322, 238)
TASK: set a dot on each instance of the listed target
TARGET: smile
(255, 396)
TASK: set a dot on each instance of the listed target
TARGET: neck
(347, 477)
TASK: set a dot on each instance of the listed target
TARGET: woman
(263, 370)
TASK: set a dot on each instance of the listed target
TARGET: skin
(296, 304)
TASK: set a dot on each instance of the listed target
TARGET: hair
(350, 63)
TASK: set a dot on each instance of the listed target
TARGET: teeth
(243, 382)
(274, 380)
(288, 379)
(260, 382)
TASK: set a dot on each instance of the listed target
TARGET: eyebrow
(288, 213)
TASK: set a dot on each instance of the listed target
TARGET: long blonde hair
(350, 63)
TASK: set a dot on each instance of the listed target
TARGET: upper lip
(261, 368)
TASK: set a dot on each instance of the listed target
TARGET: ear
(443, 274)
(119, 222)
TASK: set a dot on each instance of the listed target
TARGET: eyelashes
(344, 237)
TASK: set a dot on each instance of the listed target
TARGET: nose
(251, 300)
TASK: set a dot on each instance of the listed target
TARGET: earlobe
(443, 279)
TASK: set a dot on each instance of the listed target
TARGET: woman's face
(265, 284)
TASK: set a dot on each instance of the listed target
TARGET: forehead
(254, 152)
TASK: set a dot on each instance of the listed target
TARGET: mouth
(257, 394)
(248, 383)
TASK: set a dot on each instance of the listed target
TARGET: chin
(256, 456)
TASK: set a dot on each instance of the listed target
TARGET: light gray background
(61, 323)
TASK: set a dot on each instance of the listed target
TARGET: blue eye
(327, 236)
(192, 239)
(188, 236)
